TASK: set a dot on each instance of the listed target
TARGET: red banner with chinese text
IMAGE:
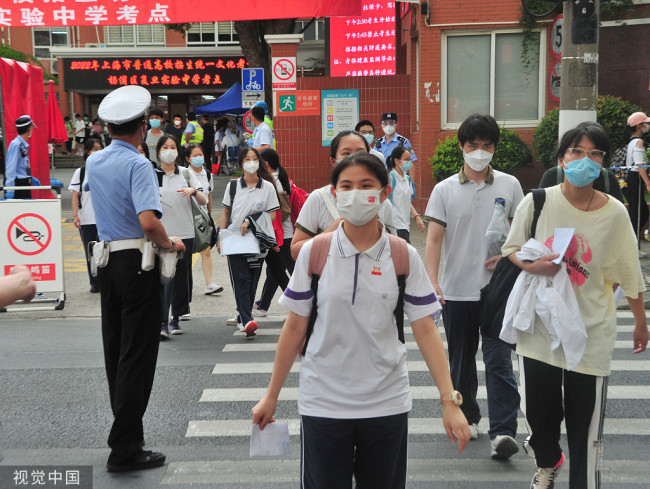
(364, 45)
(32, 13)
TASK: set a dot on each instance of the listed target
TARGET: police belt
(126, 244)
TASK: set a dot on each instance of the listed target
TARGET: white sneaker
(186, 317)
(260, 313)
(234, 321)
(503, 447)
(544, 478)
(213, 289)
(473, 430)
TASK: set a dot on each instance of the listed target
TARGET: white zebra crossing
(256, 472)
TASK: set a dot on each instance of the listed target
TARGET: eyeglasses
(387, 122)
(594, 154)
(406, 162)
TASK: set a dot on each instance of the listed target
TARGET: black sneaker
(144, 460)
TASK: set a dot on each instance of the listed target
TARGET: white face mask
(177, 123)
(478, 159)
(168, 156)
(358, 207)
(251, 166)
(388, 130)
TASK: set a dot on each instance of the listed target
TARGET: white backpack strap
(329, 202)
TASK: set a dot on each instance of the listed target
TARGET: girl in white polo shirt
(177, 219)
(196, 161)
(354, 390)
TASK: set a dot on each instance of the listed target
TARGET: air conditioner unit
(54, 66)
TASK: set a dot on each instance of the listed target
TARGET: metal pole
(579, 84)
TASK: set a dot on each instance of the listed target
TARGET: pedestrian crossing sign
(287, 103)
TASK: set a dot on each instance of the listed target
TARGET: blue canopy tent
(228, 103)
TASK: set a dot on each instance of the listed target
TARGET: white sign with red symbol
(284, 73)
(247, 122)
(30, 235)
(554, 79)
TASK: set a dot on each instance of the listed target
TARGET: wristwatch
(453, 396)
(171, 248)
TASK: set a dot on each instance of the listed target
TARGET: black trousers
(635, 195)
(176, 292)
(461, 321)
(276, 264)
(244, 277)
(23, 182)
(131, 305)
(373, 450)
(581, 404)
(88, 233)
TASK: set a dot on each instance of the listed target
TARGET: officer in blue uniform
(127, 207)
(17, 170)
(391, 139)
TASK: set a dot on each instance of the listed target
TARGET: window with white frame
(485, 73)
(212, 34)
(46, 37)
(134, 35)
(313, 32)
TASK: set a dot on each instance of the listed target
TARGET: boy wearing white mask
(459, 210)
(391, 140)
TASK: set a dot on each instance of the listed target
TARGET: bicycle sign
(252, 79)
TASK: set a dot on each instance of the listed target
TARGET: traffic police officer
(392, 140)
(17, 170)
(127, 207)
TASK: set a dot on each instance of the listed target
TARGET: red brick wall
(299, 138)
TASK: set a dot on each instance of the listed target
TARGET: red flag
(56, 132)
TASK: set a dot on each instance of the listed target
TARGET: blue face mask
(155, 123)
(406, 165)
(582, 172)
(369, 138)
(197, 161)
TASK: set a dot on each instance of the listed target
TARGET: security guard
(127, 207)
(193, 131)
(392, 140)
(17, 170)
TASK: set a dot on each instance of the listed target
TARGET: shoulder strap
(392, 183)
(82, 175)
(539, 197)
(559, 174)
(186, 175)
(327, 200)
(400, 254)
(319, 249)
(233, 190)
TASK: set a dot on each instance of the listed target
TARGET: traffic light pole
(579, 85)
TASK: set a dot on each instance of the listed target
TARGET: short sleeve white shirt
(355, 366)
(401, 200)
(86, 212)
(260, 198)
(177, 210)
(206, 183)
(263, 135)
(465, 208)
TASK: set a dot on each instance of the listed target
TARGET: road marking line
(254, 394)
(412, 366)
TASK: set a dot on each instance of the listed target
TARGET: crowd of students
(348, 281)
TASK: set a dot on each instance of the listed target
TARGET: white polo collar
(346, 248)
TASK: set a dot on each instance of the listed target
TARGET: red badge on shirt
(376, 270)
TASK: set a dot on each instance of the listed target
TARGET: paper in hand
(273, 441)
(561, 240)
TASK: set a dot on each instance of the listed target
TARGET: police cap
(124, 104)
(392, 116)
(24, 121)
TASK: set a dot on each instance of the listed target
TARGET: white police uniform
(123, 185)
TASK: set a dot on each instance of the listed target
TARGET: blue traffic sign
(252, 79)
